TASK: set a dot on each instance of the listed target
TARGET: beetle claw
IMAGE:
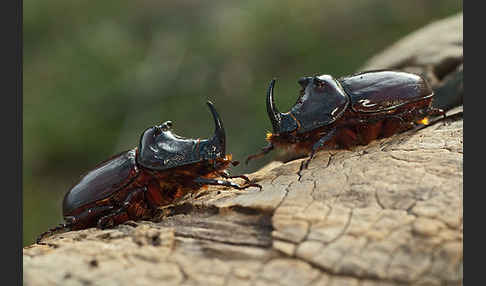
(50, 232)
(228, 176)
(106, 222)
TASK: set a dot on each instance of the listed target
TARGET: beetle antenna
(272, 110)
(219, 133)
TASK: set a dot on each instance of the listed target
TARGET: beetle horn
(272, 110)
(219, 134)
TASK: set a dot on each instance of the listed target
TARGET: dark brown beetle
(131, 185)
(348, 111)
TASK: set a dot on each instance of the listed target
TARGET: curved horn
(219, 134)
(272, 110)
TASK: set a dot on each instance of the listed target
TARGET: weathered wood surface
(389, 213)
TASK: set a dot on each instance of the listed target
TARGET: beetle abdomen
(378, 91)
(107, 178)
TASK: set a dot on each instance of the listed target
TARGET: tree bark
(389, 213)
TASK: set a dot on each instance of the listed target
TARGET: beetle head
(161, 149)
(321, 101)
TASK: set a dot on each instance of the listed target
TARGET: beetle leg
(130, 209)
(265, 150)
(50, 232)
(225, 174)
(82, 220)
(316, 147)
(108, 220)
(437, 111)
(206, 181)
(247, 180)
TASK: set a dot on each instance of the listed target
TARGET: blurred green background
(97, 73)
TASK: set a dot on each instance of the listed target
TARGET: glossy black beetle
(348, 111)
(132, 184)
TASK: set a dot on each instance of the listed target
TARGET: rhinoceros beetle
(161, 170)
(348, 111)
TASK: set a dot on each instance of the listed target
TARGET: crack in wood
(286, 192)
(362, 277)
(377, 198)
(345, 228)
